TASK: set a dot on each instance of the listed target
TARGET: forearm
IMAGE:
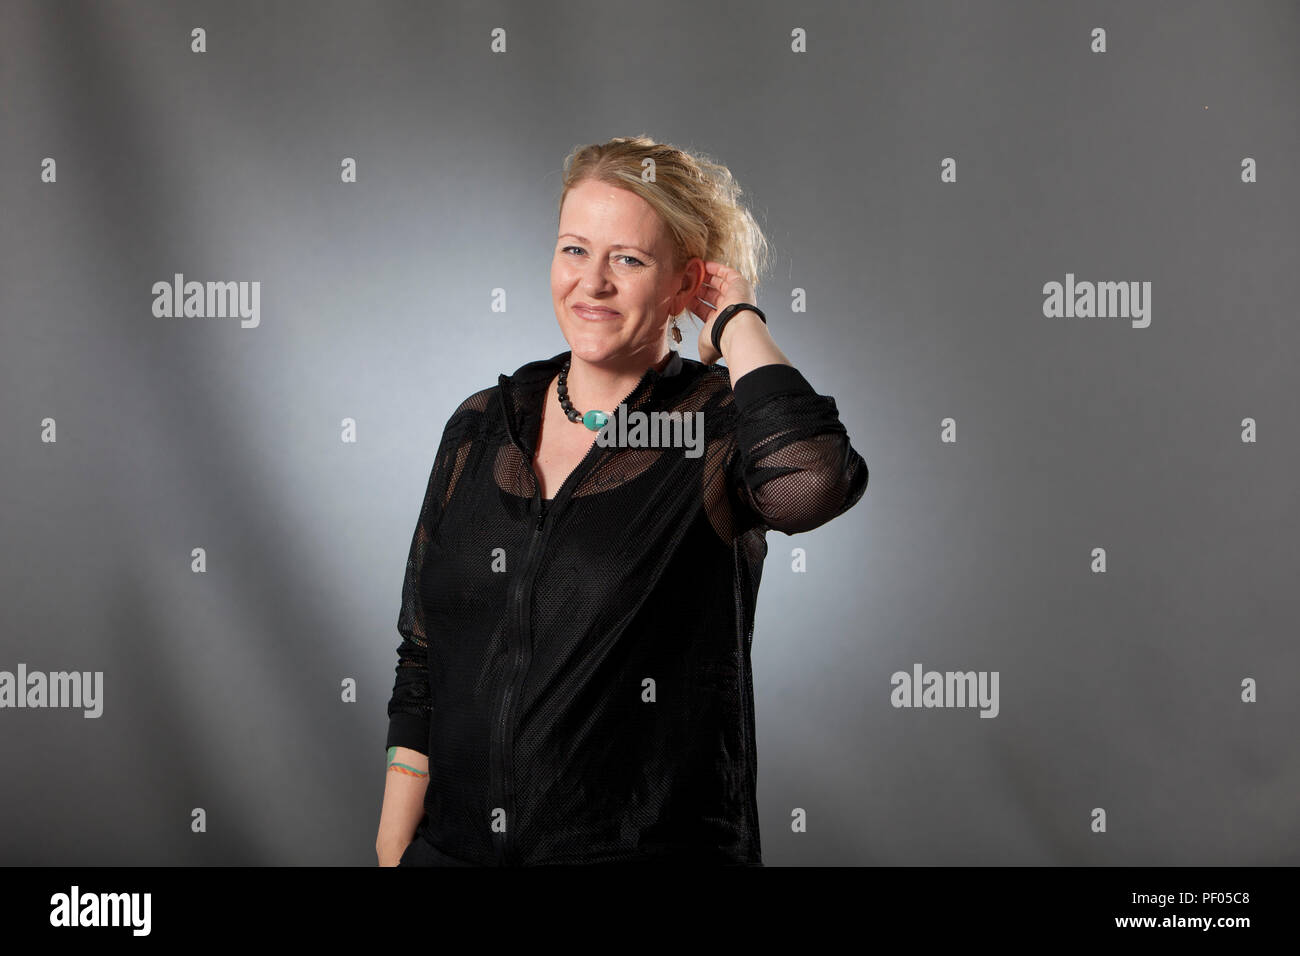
(747, 344)
(406, 780)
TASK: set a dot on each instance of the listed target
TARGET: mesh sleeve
(408, 706)
(793, 468)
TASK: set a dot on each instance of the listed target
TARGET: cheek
(646, 289)
(561, 278)
(658, 294)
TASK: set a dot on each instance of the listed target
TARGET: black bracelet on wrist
(725, 316)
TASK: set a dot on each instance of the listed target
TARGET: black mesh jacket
(577, 670)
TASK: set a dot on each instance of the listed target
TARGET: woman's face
(615, 253)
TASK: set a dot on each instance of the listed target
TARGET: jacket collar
(523, 391)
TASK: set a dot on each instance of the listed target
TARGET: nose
(595, 275)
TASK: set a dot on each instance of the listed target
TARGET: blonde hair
(698, 199)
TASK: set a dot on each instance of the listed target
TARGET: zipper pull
(541, 516)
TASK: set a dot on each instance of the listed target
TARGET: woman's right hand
(390, 853)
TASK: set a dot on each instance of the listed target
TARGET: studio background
(222, 690)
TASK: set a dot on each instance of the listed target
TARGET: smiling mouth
(593, 315)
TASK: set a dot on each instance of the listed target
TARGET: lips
(594, 315)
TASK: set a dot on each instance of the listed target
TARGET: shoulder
(468, 419)
(711, 383)
(476, 403)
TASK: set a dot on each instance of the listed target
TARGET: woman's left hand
(722, 286)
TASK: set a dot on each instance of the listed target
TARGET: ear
(693, 276)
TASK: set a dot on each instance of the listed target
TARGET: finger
(727, 280)
(709, 297)
(710, 292)
(720, 274)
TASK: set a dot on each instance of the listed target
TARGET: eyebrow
(617, 245)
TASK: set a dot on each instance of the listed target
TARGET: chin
(593, 352)
(592, 344)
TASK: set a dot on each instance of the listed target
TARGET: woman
(573, 683)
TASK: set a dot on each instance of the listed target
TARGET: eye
(633, 260)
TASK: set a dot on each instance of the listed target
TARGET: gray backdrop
(1119, 690)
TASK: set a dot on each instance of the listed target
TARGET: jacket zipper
(506, 854)
(523, 591)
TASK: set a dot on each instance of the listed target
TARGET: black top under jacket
(578, 670)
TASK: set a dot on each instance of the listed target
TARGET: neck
(606, 384)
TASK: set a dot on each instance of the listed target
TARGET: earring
(676, 333)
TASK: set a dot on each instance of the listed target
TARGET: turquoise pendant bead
(595, 419)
